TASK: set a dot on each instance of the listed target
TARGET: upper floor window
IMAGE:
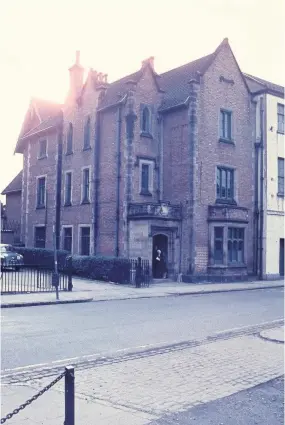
(41, 192)
(146, 177)
(86, 186)
(42, 149)
(145, 120)
(69, 140)
(68, 188)
(280, 118)
(225, 125)
(86, 142)
(281, 176)
(225, 184)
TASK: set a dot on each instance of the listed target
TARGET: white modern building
(269, 178)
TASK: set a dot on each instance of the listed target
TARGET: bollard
(69, 396)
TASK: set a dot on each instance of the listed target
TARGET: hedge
(42, 257)
(110, 269)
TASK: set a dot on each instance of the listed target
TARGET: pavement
(153, 388)
(85, 290)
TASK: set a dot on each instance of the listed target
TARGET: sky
(38, 40)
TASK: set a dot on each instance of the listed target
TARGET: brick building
(147, 161)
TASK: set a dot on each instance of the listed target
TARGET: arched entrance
(160, 242)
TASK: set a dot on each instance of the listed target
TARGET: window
(225, 184)
(68, 188)
(67, 239)
(281, 176)
(86, 186)
(84, 240)
(69, 142)
(280, 118)
(235, 245)
(41, 192)
(218, 245)
(42, 149)
(146, 177)
(40, 237)
(225, 125)
(145, 120)
(86, 143)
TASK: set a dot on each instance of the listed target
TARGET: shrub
(109, 269)
(43, 257)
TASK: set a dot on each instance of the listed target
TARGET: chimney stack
(149, 61)
(76, 73)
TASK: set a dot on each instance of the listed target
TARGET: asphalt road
(44, 334)
(260, 405)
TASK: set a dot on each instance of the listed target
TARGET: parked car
(10, 258)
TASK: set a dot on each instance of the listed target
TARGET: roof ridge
(188, 63)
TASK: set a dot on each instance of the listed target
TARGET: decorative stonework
(162, 210)
(227, 213)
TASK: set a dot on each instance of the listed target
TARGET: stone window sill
(87, 148)
(227, 141)
(68, 153)
(145, 193)
(280, 132)
(42, 157)
(281, 195)
(227, 266)
(85, 201)
(226, 201)
(146, 134)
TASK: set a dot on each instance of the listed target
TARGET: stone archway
(159, 241)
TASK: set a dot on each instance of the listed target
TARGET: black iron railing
(32, 278)
(140, 274)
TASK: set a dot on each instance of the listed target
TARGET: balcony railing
(162, 210)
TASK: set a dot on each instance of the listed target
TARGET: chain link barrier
(30, 400)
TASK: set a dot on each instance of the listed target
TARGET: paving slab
(85, 290)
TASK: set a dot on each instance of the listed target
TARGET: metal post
(69, 396)
(55, 277)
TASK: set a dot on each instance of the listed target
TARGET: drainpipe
(96, 180)
(262, 126)
(160, 167)
(119, 132)
(256, 212)
(58, 187)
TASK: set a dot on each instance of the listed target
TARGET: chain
(29, 401)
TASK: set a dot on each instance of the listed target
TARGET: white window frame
(37, 187)
(66, 172)
(42, 139)
(79, 237)
(65, 226)
(150, 176)
(82, 175)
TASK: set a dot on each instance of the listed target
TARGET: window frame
(43, 205)
(219, 172)
(234, 239)
(64, 227)
(69, 139)
(220, 239)
(83, 199)
(66, 203)
(281, 129)
(42, 155)
(87, 131)
(40, 226)
(222, 134)
(150, 165)
(280, 177)
(146, 132)
(226, 263)
(80, 227)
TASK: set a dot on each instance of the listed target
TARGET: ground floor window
(228, 245)
(67, 239)
(85, 240)
(40, 237)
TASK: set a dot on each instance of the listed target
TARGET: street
(146, 360)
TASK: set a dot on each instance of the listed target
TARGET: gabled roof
(45, 108)
(257, 84)
(15, 185)
(176, 81)
(43, 126)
